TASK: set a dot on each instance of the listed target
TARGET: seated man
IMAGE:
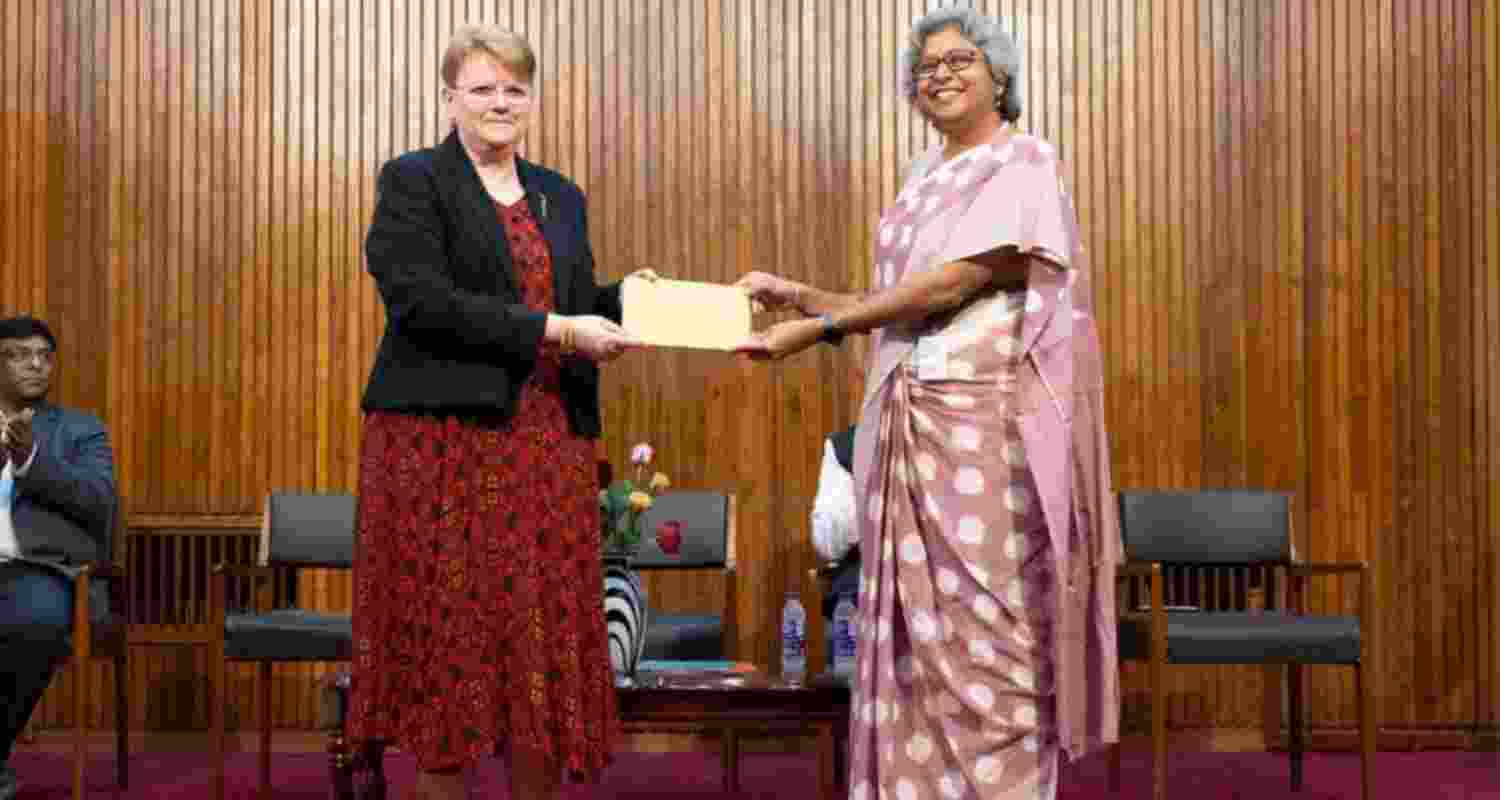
(834, 531)
(57, 496)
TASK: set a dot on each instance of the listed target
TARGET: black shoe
(9, 786)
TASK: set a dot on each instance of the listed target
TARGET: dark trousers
(36, 615)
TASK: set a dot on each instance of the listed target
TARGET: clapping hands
(16, 437)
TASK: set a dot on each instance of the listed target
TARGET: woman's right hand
(770, 292)
(598, 339)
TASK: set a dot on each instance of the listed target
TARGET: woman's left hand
(781, 340)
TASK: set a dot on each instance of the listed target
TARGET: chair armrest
(218, 587)
(1299, 572)
(103, 569)
(1135, 569)
(1328, 568)
(109, 571)
(254, 571)
(83, 616)
(730, 619)
(1156, 613)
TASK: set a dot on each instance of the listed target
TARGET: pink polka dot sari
(987, 643)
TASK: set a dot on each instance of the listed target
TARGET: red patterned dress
(477, 606)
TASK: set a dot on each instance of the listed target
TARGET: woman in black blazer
(477, 614)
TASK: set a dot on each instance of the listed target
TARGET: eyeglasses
(19, 356)
(957, 61)
(480, 94)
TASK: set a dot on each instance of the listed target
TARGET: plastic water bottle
(843, 635)
(793, 639)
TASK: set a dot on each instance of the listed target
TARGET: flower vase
(625, 614)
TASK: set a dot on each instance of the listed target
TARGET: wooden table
(681, 697)
(742, 699)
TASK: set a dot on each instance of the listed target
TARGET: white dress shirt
(9, 547)
(833, 528)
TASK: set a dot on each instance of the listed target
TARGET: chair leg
(841, 757)
(729, 749)
(122, 720)
(1158, 731)
(217, 678)
(340, 765)
(83, 642)
(826, 748)
(80, 724)
(726, 756)
(1294, 722)
(373, 755)
(264, 684)
(1367, 732)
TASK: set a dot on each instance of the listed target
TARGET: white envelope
(668, 313)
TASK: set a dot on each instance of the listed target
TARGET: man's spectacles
(19, 356)
(957, 61)
(515, 93)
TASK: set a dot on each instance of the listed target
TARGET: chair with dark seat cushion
(707, 521)
(1233, 533)
(298, 531)
(708, 534)
(102, 636)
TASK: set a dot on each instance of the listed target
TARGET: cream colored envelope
(667, 313)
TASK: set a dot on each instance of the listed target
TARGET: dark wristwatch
(831, 333)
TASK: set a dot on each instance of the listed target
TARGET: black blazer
(64, 507)
(459, 338)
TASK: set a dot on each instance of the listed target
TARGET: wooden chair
(104, 639)
(1212, 546)
(709, 536)
(707, 521)
(298, 530)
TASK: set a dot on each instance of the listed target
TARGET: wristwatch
(831, 333)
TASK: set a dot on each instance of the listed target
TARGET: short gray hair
(999, 49)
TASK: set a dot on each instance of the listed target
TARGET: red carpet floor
(1446, 775)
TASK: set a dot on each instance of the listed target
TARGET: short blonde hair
(510, 49)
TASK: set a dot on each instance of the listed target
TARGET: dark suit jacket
(64, 507)
(459, 338)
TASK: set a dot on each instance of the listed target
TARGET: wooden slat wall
(1291, 208)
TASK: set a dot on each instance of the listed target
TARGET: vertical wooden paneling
(1290, 210)
(1382, 360)
(1485, 133)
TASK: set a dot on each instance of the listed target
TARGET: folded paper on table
(667, 313)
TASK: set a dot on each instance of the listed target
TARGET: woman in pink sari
(987, 637)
